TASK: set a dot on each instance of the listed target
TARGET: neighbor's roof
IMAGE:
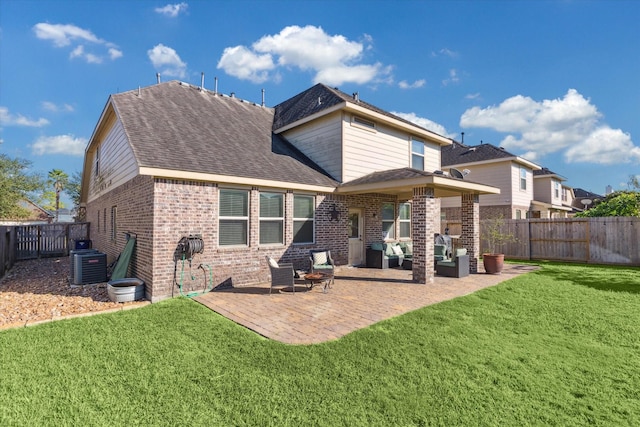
(461, 154)
(176, 126)
(545, 172)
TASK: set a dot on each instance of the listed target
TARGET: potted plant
(494, 237)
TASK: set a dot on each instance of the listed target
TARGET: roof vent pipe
(215, 85)
(202, 80)
(232, 94)
(462, 133)
(356, 96)
(262, 97)
(158, 77)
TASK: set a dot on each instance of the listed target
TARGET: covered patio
(359, 298)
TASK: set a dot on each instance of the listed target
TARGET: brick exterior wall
(470, 237)
(488, 212)
(162, 211)
(423, 228)
(134, 214)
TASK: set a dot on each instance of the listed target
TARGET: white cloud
(604, 146)
(453, 77)
(245, 64)
(417, 84)
(50, 106)
(63, 35)
(167, 61)
(473, 95)
(425, 123)
(570, 124)
(334, 59)
(172, 10)
(8, 119)
(60, 144)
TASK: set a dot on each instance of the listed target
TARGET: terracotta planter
(493, 263)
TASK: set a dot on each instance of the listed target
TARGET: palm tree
(59, 179)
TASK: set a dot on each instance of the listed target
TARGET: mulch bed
(39, 290)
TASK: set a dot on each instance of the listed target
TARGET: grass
(560, 346)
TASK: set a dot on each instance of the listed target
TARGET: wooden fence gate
(48, 240)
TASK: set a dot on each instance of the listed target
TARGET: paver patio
(359, 298)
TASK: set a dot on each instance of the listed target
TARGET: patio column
(470, 237)
(424, 210)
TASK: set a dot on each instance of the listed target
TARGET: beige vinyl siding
(117, 163)
(521, 197)
(543, 189)
(320, 140)
(367, 151)
(495, 174)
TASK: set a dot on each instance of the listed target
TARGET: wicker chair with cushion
(321, 262)
(456, 267)
(281, 274)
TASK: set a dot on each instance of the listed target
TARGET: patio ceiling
(401, 182)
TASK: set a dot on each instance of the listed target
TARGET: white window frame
(392, 231)
(523, 179)
(271, 219)
(244, 218)
(402, 221)
(417, 154)
(311, 219)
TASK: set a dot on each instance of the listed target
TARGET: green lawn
(560, 346)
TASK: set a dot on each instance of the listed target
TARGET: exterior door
(356, 242)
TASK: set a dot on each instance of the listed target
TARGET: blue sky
(557, 82)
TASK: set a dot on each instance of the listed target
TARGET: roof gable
(457, 154)
(175, 126)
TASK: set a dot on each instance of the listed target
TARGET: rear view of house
(323, 169)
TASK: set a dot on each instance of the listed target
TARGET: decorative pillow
(397, 250)
(273, 263)
(376, 246)
(461, 251)
(388, 249)
(409, 249)
(319, 258)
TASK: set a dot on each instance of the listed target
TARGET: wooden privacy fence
(7, 249)
(604, 240)
(47, 240)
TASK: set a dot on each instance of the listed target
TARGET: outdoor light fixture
(335, 214)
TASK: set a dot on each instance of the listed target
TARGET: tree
(634, 182)
(620, 203)
(73, 191)
(58, 179)
(16, 183)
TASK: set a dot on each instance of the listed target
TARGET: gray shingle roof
(457, 153)
(388, 175)
(318, 98)
(179, 127)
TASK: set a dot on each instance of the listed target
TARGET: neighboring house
(322, 170)
(551, 198)
(37, 215)
(494, 166)
(584, 200)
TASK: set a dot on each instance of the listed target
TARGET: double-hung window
(271, 218)
(523, 179)
(388, 221)
(234, 217)
(404, 218)
(556, 189)
(303, 222)
(417, 154)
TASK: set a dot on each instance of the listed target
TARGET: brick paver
(359, 298)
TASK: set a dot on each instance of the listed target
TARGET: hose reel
(189, 246)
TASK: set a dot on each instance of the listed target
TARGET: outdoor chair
(321, 262)
(281, 274)
(439, 253)
(456, 267)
